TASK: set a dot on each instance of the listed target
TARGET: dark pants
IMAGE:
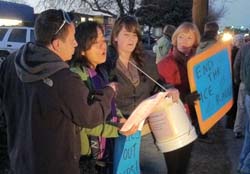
(177, 161)
(231, 114)
(88, 165)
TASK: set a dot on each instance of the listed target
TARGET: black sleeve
(2, 73)
(3, 69)
(237, 66)
(1, 92)
(75, 100)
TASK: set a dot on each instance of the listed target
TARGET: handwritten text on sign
(215, 84)
(209, 73)
(126, 157)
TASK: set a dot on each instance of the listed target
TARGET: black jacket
(45, 104)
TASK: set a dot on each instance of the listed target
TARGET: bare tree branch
(109, 7)
(131, 7)
(214, 14)
(97, 7)
(120, 6)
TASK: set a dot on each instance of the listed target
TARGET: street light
(227, 37)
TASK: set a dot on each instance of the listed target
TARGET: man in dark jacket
(244, 75)
(45, 104)
(209, 36)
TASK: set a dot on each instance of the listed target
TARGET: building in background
(16, 14)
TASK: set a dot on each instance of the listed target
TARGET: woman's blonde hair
(185, 28)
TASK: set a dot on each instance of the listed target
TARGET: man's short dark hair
(210, 30)
(47, 24)
(211, 26)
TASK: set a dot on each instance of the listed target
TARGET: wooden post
(199, 13)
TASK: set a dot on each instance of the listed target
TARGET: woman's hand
(174, 94)
(131, 131)
(192, 97)
(122, 120)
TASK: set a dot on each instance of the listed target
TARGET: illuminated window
(9, 22)
(83, 19)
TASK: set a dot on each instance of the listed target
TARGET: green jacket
(105, 130)
(162, 48)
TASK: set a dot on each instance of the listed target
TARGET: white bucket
(171, 126)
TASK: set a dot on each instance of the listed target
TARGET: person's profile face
(97, 52)
(67, 45)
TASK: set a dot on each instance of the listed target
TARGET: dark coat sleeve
(2, 62)
(237, 67)
(74, 94)
(1, 89)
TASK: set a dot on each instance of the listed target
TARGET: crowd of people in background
(241, 77)
(65, 97)
(164, 44)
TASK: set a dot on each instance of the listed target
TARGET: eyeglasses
(66, 19)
